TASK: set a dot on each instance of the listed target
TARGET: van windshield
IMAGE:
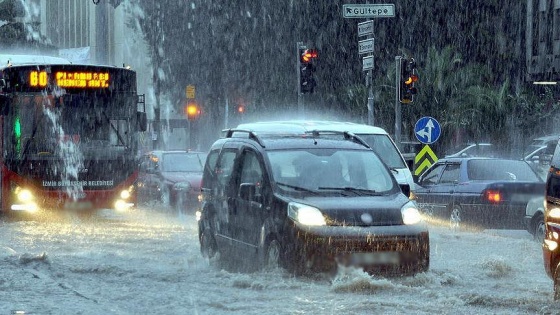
(385, 148)
(316, 169)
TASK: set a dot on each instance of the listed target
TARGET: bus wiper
(115, 129)
(298, 188)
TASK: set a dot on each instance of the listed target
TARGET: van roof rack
(252, 135)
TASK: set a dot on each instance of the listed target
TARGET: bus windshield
(95, 125)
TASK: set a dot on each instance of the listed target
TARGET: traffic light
(407, 80)
(192, 110)
(306, 69)
(241, 109)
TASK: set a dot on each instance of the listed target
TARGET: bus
(69, 135)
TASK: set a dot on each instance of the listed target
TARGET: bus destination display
(71, 79)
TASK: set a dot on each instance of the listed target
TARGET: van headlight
(306, 215)
(410, 213)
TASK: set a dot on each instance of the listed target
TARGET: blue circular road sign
(427, 130)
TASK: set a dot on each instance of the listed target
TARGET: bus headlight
(125, 194)
(24, 195)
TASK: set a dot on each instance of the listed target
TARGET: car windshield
(182, 162)
(501, 170)
(385, 148)
(318, 169)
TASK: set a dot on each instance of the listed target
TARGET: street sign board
(190, 90)
(427, 130)
(365, 46)
(365, 28)
(359, 11)
(367, 63)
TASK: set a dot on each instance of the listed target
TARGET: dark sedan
(172, 177)
(478, 192)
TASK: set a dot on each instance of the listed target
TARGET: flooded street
(148, 261)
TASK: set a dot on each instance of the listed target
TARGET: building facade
(543, 40)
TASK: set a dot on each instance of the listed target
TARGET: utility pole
(368, 11)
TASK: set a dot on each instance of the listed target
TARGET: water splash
(71, 157)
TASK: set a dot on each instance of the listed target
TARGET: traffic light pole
(299, 45)
(398, 112)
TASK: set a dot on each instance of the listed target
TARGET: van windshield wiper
(298, 188)
(357, 191)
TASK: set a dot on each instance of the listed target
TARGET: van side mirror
(405, 188)
(142, 121)
(247, 191)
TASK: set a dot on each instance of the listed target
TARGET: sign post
(366, 46)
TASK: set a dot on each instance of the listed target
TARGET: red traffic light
(308, 55)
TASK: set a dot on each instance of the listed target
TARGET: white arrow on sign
(367, 63)
(427, 134)
(368, 10)
(365, 46)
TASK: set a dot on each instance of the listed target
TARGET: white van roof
(301, 126)
(15, 60)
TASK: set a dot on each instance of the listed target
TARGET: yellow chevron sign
(422, 160)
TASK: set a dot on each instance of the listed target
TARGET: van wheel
(455, 217)
(272, 256)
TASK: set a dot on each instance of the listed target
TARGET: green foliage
(471, 79)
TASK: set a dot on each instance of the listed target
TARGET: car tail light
(493, 196)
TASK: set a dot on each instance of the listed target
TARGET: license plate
(376, 258)
(78, 205)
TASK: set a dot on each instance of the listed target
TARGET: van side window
(210, 167)
(251, 171)
(224, 167)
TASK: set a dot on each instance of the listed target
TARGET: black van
(307, 202)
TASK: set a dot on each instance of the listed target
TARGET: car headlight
(182, 186)
(410, 213)
(554, 213)
(305, 214)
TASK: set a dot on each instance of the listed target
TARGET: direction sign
(358, 11)
(365, 46)
(424, 159)
(365, 28)
(427, 130)
(367, 63)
